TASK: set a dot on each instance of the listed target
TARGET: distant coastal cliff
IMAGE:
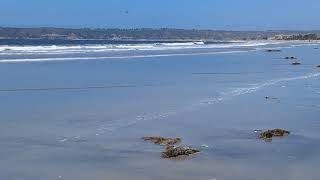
(152, 34)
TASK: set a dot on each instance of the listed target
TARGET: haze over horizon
(189, 14)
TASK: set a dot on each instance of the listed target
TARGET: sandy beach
(84, 119)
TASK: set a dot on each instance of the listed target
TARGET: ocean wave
(64, 49)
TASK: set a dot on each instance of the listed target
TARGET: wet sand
(217, 100)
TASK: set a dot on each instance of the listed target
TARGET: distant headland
(152, 34)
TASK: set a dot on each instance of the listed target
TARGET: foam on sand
(228, 95)
(111, 57)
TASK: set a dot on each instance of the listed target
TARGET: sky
(187, 14)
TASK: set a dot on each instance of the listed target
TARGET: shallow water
(85, 119)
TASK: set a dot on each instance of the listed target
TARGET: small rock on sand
(292, 57)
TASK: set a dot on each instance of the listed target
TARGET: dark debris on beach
(296, 63)
(172, 151)
(292, 57)
(162, 140)
(269, 134)
(268, 97)
(273, 50)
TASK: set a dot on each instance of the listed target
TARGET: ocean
(78, 109)
(54, 50)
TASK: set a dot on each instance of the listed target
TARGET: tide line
(113, 57)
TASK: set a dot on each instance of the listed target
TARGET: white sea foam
(224, 96)
(74, 49)
(248, 90)
(111, 57)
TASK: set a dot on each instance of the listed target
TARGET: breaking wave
(100, 48)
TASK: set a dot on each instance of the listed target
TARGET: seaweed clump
(269, 134)
(173, 152)
(163, 141)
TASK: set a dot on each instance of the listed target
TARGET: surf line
(248, 90)
(114, 57)
(204, 103)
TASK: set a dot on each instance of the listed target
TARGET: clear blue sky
(201, 14)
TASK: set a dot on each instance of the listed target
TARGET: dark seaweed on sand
(162, 140)
(269, 134)
(171, 151)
